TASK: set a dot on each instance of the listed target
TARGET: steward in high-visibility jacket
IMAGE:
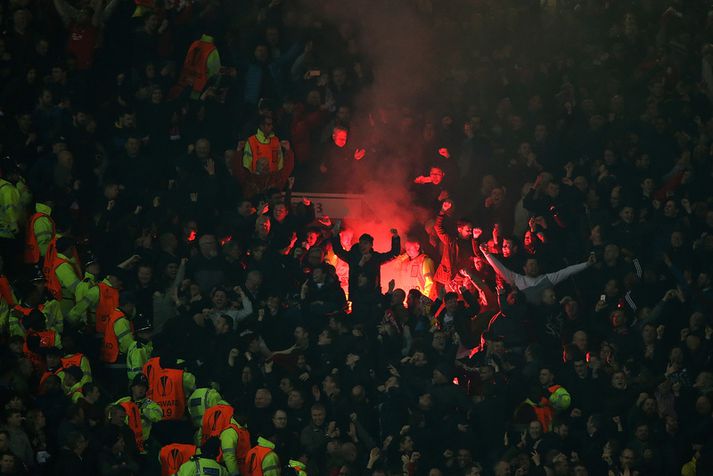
(200, 400)
(168, 386)
(218, 422)
(36, 297)
(94, 302)
(119, 333)
(298, 467)
(262, 460)
(72, 376)
(38, 337)
(62, 273)
(264, 163)
(72, 380)
(204, 462)
(417, 272)
(202, 63)
(9, 209)
(173, 456)
(167, 390)
(53, 365)
(141, 412)
(138, 355)
(39, 234)
(263, 153)
(81, 361)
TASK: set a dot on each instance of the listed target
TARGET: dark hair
(73, 439)
(449, 296)
(75, 372)
(10, 412)
(228, 319)
(211, 448)
(73, 411)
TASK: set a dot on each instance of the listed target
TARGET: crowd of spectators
(561, 313)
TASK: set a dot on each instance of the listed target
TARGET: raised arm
(509, 276)
(438, 227)
(98, 16)
(395, 248)
(564, 273)
(339, 250)
(109, 9)
(66, 11)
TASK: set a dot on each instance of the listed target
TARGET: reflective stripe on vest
(270, 152)
(197, 403)
(133, 419)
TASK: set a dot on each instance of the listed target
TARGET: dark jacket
(448, 267)
(372, 268)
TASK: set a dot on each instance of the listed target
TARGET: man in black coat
(362, 258)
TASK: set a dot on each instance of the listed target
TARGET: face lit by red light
(507, 248)
(339, 136)
(311, 238)
(365, 246)
(280, 212)
(528, 238)
(436, 174)
(479, 263)
(413, 249)
(465, 230)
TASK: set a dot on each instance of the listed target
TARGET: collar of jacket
(265, 443)
(261, 137)
(43, 208)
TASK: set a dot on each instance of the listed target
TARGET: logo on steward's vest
(166, 386)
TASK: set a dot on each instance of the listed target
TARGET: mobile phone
(603, 298)
(314, 73)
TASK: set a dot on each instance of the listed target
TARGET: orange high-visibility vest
(167, 391)
(151, 368)
(134, 418)
(6, 291)
(47, 340)
(32, 249)
(254, 459)
(173, 456)
(108, 301)
(195, 66)
(216, 420)
(48, 269)
(544, 413)
(74, 360)
(109, 352)
(50, 265)
(269, 151)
